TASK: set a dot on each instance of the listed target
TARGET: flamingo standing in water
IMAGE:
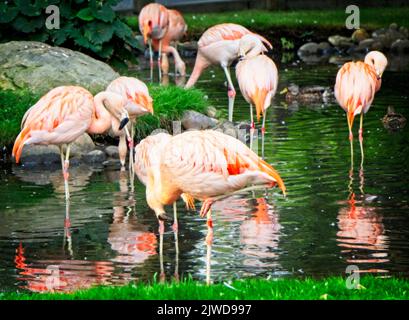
(64, 114)
(139, 102)
(355, 88)
(220, 45)
(153, 24)
(176, 30)
(257, 77)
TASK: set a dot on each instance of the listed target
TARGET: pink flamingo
(153, 24)
(139, 102)
(355, 89)
(176, 30)
(208, 165)
(257, 77)
(219, 45)
(64, 114)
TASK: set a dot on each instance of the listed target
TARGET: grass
(250, 289)
(370, 18)
(169, 104)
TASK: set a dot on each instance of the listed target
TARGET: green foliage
(88, 26)
(13, 105)
(169, 104)
(263, 20)
(248, 289)
(286, 44)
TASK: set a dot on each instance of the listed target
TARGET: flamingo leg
(209, 242)
(151, 58)
(263, 131)
(159, 58)
(176, 232)
(162, 269)
(252, 126)
(67, 231)
(231, 92)
(351, 136)
(122, 150)
(361, 138)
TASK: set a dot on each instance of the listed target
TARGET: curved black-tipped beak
(123, 123)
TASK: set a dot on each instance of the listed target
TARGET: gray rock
(95, 156)
(112, 163)
(324, 46)
(393, 26)
(195, 120)
(39, 67)
(400, 46)
(112, 151)
(227, 127)
(40, 154)
(82, 145)
(308, 49)
(43, 154)
(211, 112)
(340, 41)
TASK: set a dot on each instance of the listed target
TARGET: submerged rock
(400, 46)
(34, 154)
(340, 41)
(95, 156)
(196, 120)
(40, 67)
(359, 35)
(112, 151)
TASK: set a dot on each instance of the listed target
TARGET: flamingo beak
(123, 123)
(150, 107)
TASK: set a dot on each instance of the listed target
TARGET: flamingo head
(147, 30)
(251, 45)
(181, 68)
(378, 61)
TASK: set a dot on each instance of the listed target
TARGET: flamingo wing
(60, 116)
(135, 91)
(257, 78)
(355, 87)
(226, 31)
(209, 163)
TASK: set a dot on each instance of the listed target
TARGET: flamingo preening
(258, 78)
(153, 24)
(355, 88)
(219, 45)
(138, 103)
(64, 114)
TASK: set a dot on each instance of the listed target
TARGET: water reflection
(361, 233)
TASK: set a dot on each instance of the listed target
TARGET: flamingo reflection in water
(361, 231)
(61, 275)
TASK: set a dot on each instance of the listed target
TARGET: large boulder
(39, 67)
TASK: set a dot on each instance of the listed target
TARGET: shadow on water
(326, 223)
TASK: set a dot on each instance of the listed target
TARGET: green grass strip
(249, 289)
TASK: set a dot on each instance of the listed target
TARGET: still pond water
(317, 230)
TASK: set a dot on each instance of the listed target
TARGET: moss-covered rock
(39, 67)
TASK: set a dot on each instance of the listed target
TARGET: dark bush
(88, 26)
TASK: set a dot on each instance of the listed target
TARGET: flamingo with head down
(219, 45)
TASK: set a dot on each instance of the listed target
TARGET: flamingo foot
(162, 277)
(175, 227)
(252, 126)
(361, 138)
(206, 207)
(263, 130)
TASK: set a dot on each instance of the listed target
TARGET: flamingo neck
(200, 64)
(101, 120)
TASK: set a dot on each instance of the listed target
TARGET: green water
(113, 237)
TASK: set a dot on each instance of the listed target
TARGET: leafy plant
(286, 44)
(89, 26)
